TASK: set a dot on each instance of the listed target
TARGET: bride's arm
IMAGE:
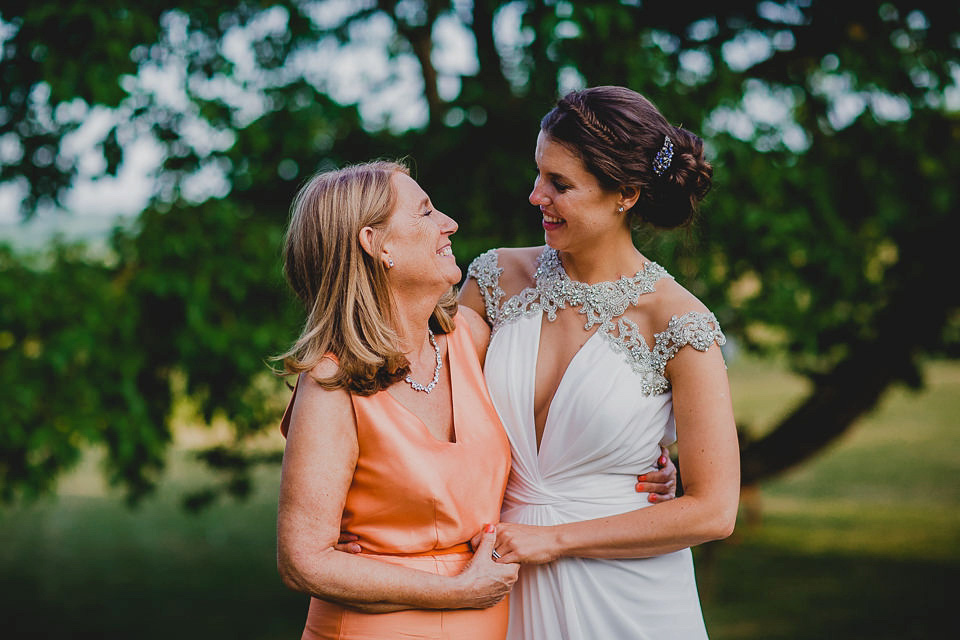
(318, 465)
(471, 298)
(706, 511)
(479, 331)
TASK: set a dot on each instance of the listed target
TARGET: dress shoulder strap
(486, 270)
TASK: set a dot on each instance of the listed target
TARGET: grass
(861, 542)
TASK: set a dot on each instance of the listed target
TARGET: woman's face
(576, 209)
(418, 238)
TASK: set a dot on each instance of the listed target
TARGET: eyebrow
(558, 176)
(552, 174)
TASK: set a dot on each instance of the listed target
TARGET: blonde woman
(390, 431)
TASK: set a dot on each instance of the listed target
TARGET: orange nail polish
(489, 528)
(642, 478)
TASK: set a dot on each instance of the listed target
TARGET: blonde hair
(350, 308)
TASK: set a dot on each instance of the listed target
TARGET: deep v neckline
(453, 405)
(600, 303)
(538, 443)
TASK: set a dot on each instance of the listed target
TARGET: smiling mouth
(446, 251)
(551, 219)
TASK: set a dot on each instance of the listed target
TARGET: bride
(597, 357)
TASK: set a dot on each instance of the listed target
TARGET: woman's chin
(553, 240)
(457, 277)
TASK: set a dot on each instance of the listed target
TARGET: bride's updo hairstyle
(620, 137)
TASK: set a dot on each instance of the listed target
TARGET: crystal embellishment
(416, 386)
(603, 304)
(661, 161)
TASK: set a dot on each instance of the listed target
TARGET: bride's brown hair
(349, 305)
(617, 133)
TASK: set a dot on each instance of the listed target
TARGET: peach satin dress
(415, 501)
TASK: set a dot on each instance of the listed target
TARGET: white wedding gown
(610, 413)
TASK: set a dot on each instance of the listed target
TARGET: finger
(348, 547)
(656, 477)
(664, 457)
(653, 487)
(507, 557)
(661, 497)
(668, 466)
(487, 539)
(475, 540)
(347, 537)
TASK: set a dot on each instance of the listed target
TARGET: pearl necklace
(436, 372)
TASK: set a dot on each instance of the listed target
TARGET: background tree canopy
(833, 129)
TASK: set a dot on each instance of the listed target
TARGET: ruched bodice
(591, 450)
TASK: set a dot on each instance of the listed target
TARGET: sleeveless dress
(415, 501)
(611, 412)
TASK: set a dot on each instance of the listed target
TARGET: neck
(603, 261)
(413, 320)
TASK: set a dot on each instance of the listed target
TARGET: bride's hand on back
(348, 543)
(662, 483)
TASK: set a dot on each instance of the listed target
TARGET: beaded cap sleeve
(603, 303)
(486, 271)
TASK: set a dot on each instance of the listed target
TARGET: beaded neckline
(600, 302)
(604, 303)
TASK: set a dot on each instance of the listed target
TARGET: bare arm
(471, 298)
(479, 331)
(318, 466)
(707, 510)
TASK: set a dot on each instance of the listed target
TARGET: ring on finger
(496, 556)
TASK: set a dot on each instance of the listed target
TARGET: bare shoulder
(514, 258)
(693, 334)
(323, 369)
(318, 409)
(519, 265)
(479, 330)
(673, 299)
(519, 257)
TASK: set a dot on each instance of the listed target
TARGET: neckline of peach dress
(452, 362)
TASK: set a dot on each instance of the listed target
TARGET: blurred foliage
(825, 239)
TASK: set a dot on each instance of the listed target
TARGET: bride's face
(575, 208)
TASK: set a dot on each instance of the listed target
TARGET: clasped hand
(523, 543)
